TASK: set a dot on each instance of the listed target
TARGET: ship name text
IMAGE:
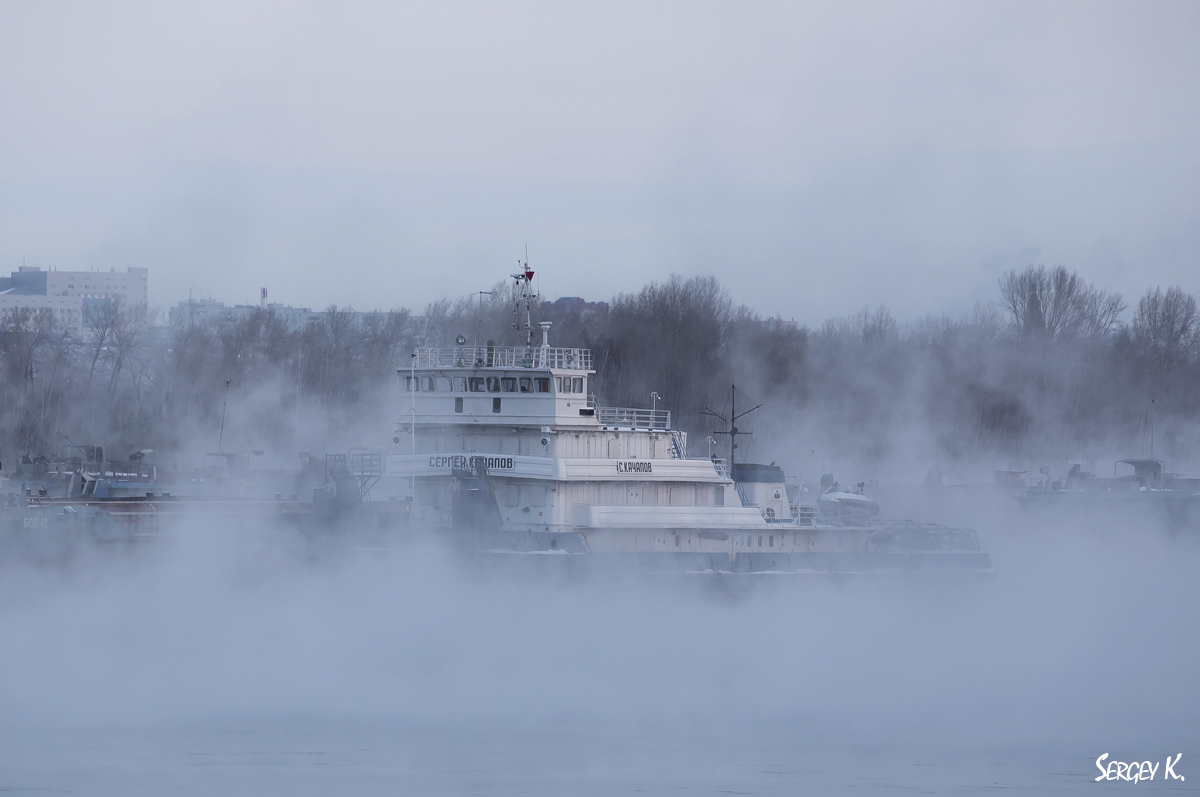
(459, 462)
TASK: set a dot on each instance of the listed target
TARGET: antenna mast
(733, 432)
(479, 325)
(224, 405)
(524, 298)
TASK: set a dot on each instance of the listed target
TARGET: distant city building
(779, 323)
(210, 311)
(67, 311)
(66, 294)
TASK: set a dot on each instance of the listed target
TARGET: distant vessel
(510, 449)
(49, 506)
(1148, 494)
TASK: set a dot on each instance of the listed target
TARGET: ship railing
(504, 357)
(366, 463)
(803, 514)
(633, 418)
(722, 467)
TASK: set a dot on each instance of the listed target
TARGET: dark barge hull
(569, 550)
(816, 563)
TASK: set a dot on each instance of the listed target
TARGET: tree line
(1047, 370)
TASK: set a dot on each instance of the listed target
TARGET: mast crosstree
(731, 422)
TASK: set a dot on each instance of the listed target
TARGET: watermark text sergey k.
(1134, 771)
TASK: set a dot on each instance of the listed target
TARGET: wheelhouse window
(493, 384)
(476, 384)
(460, 384)
(430, 384)
(508, 384)
(569, 384)
(526, 384)
(542, 384)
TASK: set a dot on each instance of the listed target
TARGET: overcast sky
(816, 158)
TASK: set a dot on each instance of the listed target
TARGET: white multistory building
(66, 294)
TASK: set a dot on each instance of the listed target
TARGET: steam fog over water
(239, 664)
(240, 656)
(941, 255)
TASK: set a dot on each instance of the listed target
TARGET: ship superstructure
(511, 443)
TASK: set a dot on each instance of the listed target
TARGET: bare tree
(23, 332)
(191, 363)
(1167, 327)
(99, 318)
(237, 338)
(61, 344)
(384, 335)
(670, 338)
(1168, 321)
(438, 322)
(1058, 302)
(129, 326)
(866, 326)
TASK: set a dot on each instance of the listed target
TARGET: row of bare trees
(1046, 370)
(126, 380)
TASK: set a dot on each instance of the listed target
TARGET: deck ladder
(678, 449)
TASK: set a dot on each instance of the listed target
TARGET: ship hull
(654, 550)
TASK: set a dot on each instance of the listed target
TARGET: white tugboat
(509, 448)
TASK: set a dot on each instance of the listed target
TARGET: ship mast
(523, 301)
(733, 432)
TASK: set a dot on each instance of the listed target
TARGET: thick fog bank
(1049, 369)
(1079, 639)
